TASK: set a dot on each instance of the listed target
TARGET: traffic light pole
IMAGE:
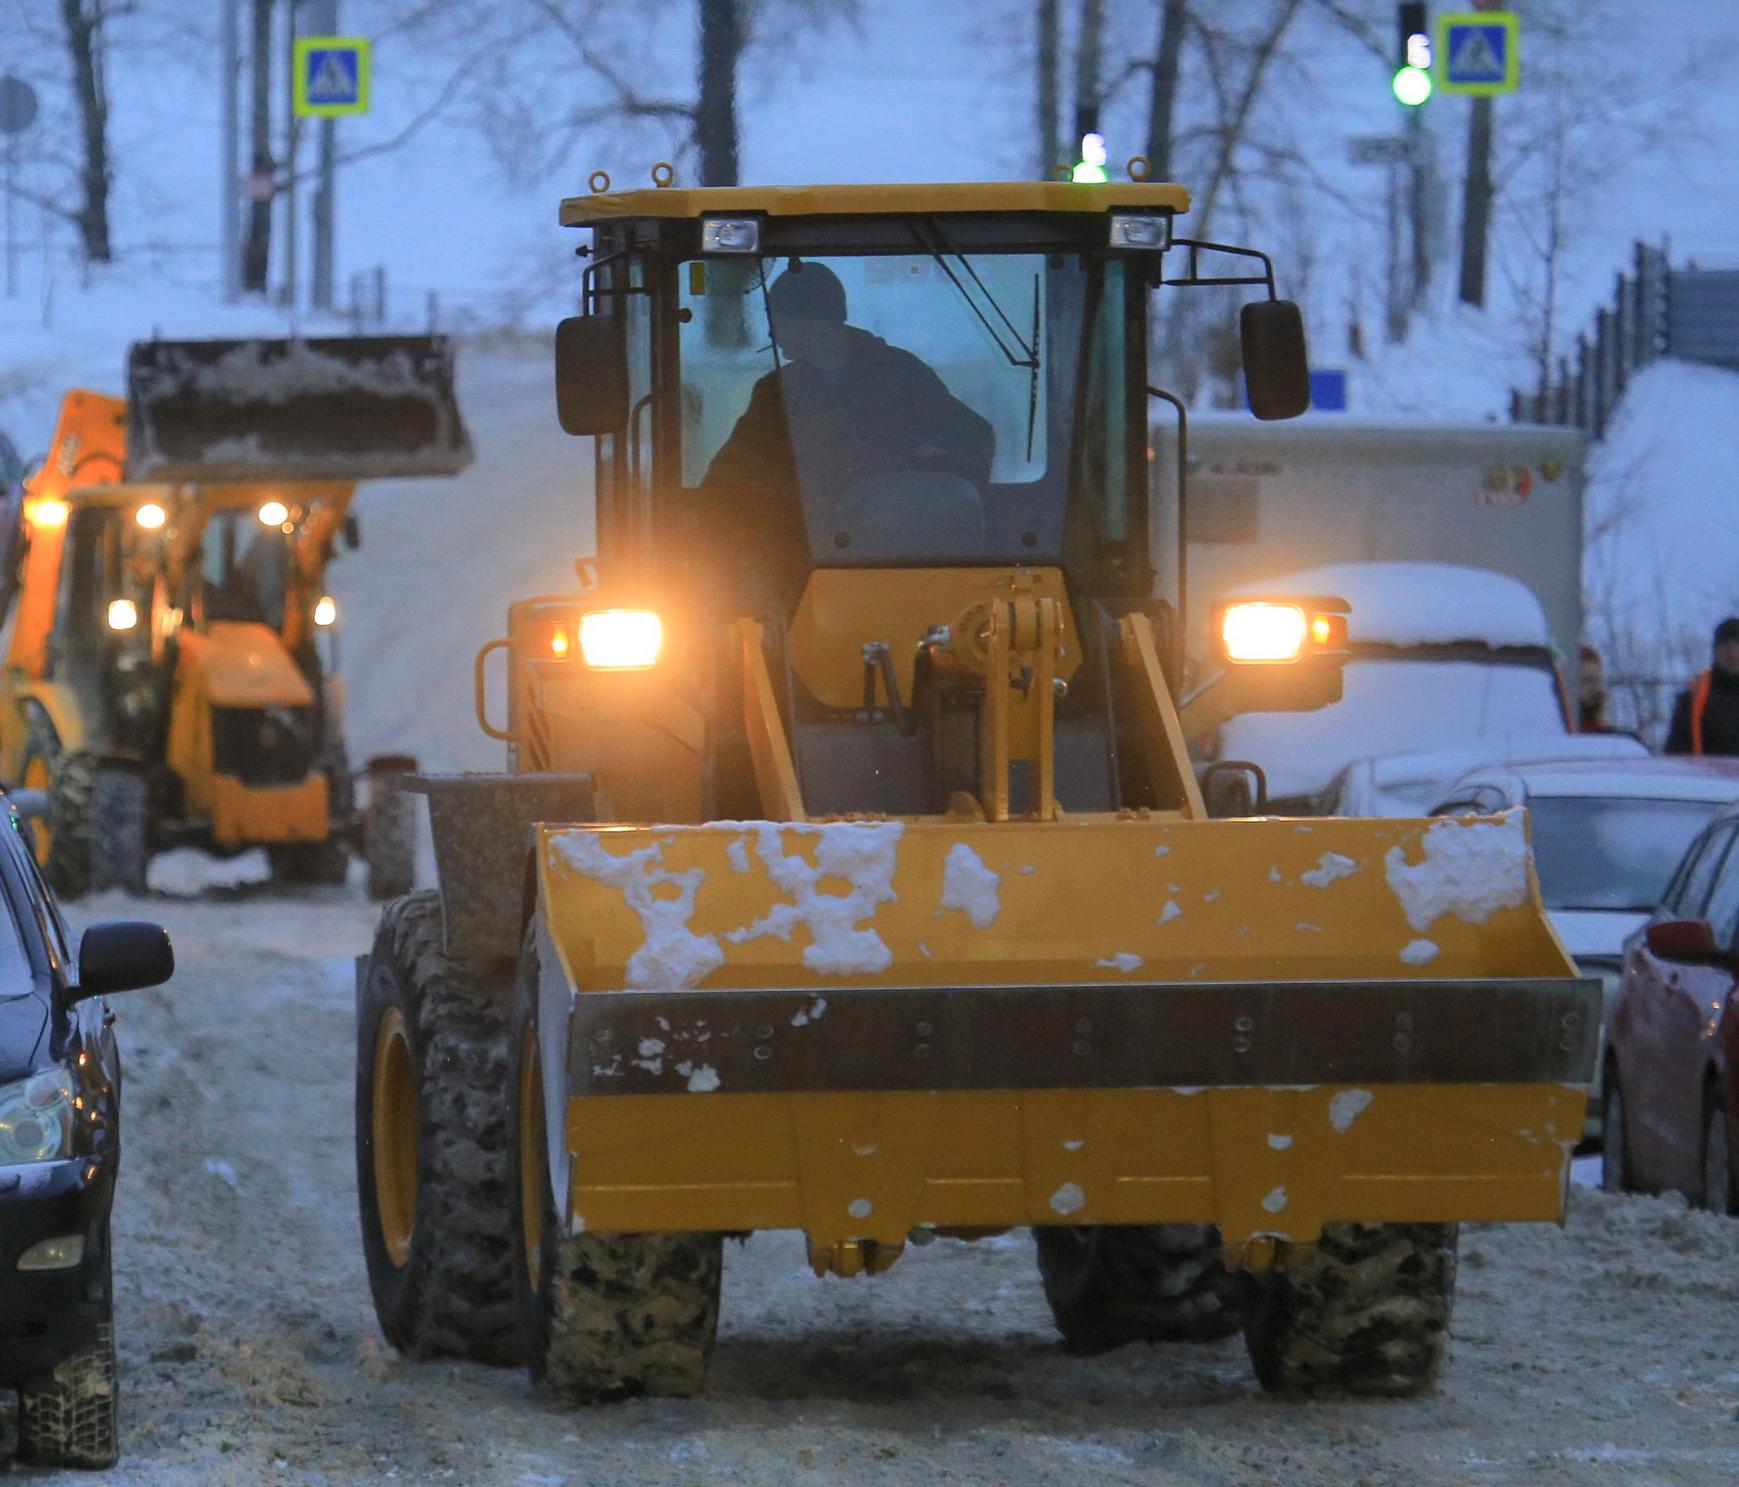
(1476, 203)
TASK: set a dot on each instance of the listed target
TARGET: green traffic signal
(1412, 86)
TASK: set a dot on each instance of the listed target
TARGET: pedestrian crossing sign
(331, 76)
(1479, 52)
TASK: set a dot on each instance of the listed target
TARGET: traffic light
(1412, 80)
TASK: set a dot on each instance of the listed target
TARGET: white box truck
(1459, 547)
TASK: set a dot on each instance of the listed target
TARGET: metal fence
(1690, 313)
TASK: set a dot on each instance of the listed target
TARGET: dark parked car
(1672, 1074)
(60, 1146)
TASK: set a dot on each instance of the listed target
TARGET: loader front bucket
(1267, 1025)
(341, 408)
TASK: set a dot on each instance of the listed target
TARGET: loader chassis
(888, 904)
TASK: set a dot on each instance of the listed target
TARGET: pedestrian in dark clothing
(843, 407)
(1706, 715)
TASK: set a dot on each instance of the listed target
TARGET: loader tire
(601, 1316)
(119, 850)
(66, 861)
(1111, 1284)
(431, 1142)
(67, 1414)
(1368, 1314)
(389, 834)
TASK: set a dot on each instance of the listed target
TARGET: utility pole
(229, 155)
(1088, 70)
(323, 21)
(292, 138)
(1476, 203)
(261, 173)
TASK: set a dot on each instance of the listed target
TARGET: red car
(1672, 1073)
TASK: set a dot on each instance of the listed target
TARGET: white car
(1607, 837)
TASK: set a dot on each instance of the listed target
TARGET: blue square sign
(1479, 52)
(331, 76)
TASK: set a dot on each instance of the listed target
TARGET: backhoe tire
(431, 1142)
(68, 865)
(309, 863)
(119, 839)
(1367, 1314)
(601, 1316)
(389, 834)
(67, 1414)
(1111, 1284)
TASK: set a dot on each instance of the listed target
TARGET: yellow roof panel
(828, 201)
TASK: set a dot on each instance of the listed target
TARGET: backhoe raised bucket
(338, 408)
(856, 1029)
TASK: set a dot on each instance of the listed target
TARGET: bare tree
(87, 47)
(1046, 58)
(1162, 96)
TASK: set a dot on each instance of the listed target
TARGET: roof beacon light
(730, 235)
(1147, 233)
(1090, 169)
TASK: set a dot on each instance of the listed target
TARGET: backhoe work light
(730, 235)
(620, 639)
(47, 513)
(1146, 233)
(274, 514)
(1259, 632)
(151, 516)
(325, 611)
(123, 614)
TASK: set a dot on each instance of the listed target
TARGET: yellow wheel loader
(171, 653)
(849, 873)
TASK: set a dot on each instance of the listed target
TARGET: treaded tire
(1111, 1284)
(604, 1316)
(389, 833)
(67, 1415)
(322, 863)
(1368, 1314)
(450, 1292)
(119, 842)
(68, 869)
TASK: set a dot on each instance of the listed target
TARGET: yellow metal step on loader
(850, 875)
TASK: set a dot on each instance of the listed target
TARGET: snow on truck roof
(1511, 754)
(1645, 777)
(1422, 603)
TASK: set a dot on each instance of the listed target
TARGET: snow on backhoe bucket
(340, 408)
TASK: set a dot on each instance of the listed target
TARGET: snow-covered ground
(1600, 1353)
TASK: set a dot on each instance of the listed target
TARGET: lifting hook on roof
(599, 182)
(1139, 168)
(663, 174)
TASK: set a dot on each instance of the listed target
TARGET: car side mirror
(591, 375)
(1686, 941)
(123, 956)
(1276, 365)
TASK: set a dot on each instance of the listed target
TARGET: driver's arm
(949, 433)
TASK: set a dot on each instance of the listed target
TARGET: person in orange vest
(1706, 715)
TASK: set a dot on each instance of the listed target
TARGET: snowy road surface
(1605, 1354)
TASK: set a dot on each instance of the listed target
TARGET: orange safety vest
(1699, 705)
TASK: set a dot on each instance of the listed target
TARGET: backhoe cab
(849, 873)
(171, 669)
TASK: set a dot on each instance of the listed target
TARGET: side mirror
(352, 531)
(123, 956)
(1686, 941)
(591, 375)
(1276, 366)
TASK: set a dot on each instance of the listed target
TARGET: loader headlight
(325, 611)
(48, 513)
(274, 514)
(123, 614)
(1261, 632)
(730, 235)
(151, 516)
(620, 639)
(1140, 231)
(36, 1118)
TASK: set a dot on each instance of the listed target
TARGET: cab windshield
(925, 407)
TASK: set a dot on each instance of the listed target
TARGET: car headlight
(36, 1118)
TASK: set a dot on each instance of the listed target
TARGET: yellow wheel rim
(36, 778)
(395, 1137)
(530, 1156)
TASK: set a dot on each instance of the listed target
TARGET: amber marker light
(620, 639)
(1257, 632)
(559, 644)
(48, 513)
(151, 516)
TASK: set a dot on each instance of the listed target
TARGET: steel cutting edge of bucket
(334, 408)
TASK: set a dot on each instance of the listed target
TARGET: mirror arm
(1182, 620)
(1194, 278)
